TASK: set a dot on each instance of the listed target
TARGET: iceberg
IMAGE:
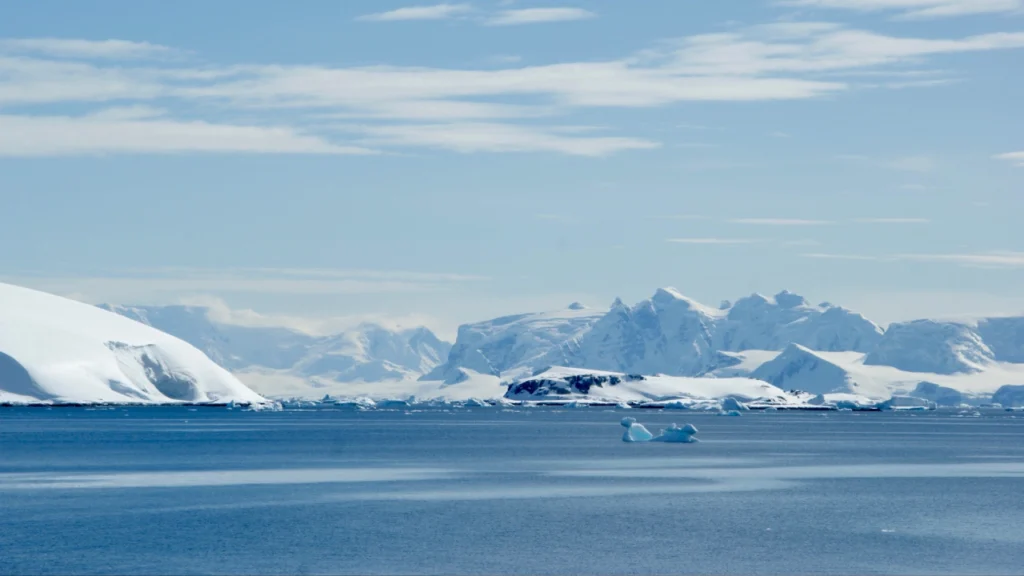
(731, 404)
(676, 434)
(636, 432)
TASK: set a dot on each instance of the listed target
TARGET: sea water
(506, 491)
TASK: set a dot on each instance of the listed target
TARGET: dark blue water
(211, 491)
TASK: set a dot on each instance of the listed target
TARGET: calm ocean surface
(491, 491)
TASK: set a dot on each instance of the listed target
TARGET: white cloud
(1017, 158)
(759, 51)
(995, 259)
(538, 15)
(780, 221)
(435, 12)
(828, 256)
(457, 109)
(1001, 259)
(219, 311)
(913, 164)
(85, 49)
(916, 9)
(141, 285)
(715, 240)
(22, 136)
(484, 137)
(891, 220)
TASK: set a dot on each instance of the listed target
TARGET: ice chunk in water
(638, 433)
(676, 434)
(635, 432)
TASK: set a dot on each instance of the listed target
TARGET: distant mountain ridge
(665, 334)
(367, 352)
(780, 339)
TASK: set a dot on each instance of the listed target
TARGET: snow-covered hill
(56, 350)
(366, 353)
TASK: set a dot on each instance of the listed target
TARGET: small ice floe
(636, 432)
(730, 413)
(676, 434)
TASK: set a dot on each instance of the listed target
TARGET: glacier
(55, 350)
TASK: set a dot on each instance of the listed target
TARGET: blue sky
(326, 162)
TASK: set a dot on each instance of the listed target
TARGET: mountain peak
(787, 299)
(667, 294)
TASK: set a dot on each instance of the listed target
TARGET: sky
(321, 163)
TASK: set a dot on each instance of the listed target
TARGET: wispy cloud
(995, 259)
(155, 284)
(913, 164)
(218, 310)
(780, 222)
(1002, 259)
(452, 108)
(85, 49)
(891, 220)
(715, 240)
(916, 9)
(99, 134)
(538, 15)
(1016, 158)
(435, 12)
(482, 137)
(828, 256)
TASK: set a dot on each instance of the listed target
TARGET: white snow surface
(799, 368)
(56, 350)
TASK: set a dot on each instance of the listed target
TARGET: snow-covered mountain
(514, 342)
(57, 350)
(368, 352)
(665, 334)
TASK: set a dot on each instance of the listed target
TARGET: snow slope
(799, 368)
(57, 350)
(366, 353)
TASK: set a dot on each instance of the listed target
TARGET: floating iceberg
(730, 413)
(676, 434)
(635, 432)
(638, 433)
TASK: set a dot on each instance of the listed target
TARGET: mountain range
(781, 339)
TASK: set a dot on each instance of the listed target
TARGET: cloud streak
(713, 241)
(780, 222)
(435, 12)
(995, 259)
(487, 137)
(1015, 158)
(85, 49)
(538, 16)
(26, 136)
(916, 9)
